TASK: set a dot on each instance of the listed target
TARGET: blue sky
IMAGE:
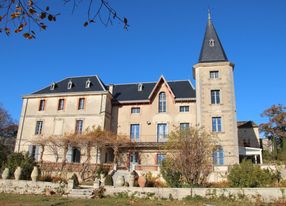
(165, 37)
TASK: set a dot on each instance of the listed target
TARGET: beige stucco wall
(97, 112)
(226, 109)
(122, 117)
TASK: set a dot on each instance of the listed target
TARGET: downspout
(23, 122)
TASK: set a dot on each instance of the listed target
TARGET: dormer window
(53, 85)
(87, 83)
(70, 84)
(211, 42)
(140, 87)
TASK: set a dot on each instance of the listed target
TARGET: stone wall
(30, 187)
(253, 194)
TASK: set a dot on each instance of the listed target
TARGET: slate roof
(129, 92)
(78, 85)
(246, 124)
(121, 92)
(215, 52)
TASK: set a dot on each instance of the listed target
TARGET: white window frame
(61, 104)
(81, 103)
(162, 132)
(214, 74)
(216, 124)
(184, 108)
(135, 132)
(215, 96)
(162, 103)
(135, 110)
(39, 127)
(79, 127)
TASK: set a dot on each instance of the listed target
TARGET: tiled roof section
(182, 89)
(246, 124)
(212, 50)
(129, 92)
(78, 85)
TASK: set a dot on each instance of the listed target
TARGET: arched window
(162, 102)
(218, 156)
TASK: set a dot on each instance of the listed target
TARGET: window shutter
(69, 154)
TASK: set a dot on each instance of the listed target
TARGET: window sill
(220, 104)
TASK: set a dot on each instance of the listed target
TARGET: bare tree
(189, 152)
(21, 16)
(7, 127)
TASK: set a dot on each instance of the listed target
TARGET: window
(81, 102)
(87, 84)
(213, 74)
(134, 132)
(33, 151)
(162, 132)
(140, 87)
(75, 155)
(211, 42)
(216, 124)
(162, 102)
(53, 85)
(78, 126)
(184, 108)
(218, 156)
(42, 105)
(135, 110)
(215, 96)
(160, 158)
(70, 84)
(61, 104)
(184, 126)
(39, 127)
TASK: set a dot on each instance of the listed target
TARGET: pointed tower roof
(212, 50)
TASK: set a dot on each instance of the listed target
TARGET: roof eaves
(132, 101)
(64, 94)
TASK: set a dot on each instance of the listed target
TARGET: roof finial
(209, 14)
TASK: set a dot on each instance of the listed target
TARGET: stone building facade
(146, 112)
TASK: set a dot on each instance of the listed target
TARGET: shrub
(101, 170)
(3, 154)
(108, 180)
(57, 179)
(247, 174)
(45, 178)
(24, 161)
(172, 177)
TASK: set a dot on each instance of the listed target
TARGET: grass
(38, 200)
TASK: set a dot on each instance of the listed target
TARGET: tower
(216, 107)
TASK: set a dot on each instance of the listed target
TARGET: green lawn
(36, 200)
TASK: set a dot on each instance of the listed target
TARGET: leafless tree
(21, 16)
(189, 152)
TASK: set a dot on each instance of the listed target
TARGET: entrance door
(133, 160)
